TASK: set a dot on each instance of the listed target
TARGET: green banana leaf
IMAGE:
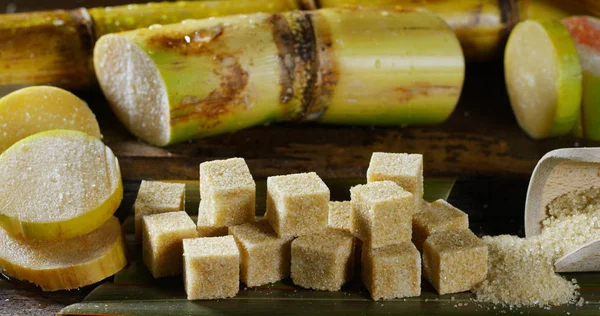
(134, 291)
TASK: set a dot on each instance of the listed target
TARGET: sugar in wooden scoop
(521, 271)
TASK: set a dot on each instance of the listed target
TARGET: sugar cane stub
(206, 77)
(543, 78)
(58, 184)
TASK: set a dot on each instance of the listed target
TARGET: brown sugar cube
(406, 170)
(206, 230)
(211, 267)
(157, 197)
(323, 261)
(227, 192)
(383, 213)
(454, 261)
(297, 204)
(392, 271)
(162, 237)
(265, 257)
(437, 217)
(341, 216)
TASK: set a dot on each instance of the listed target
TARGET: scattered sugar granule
(521, 271)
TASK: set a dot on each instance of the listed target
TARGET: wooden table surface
(480, 144)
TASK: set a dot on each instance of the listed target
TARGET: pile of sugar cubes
(386, 226)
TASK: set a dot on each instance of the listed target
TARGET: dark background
(480, 144)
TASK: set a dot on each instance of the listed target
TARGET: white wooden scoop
(558, 172)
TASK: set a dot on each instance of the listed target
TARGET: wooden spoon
(557, 173)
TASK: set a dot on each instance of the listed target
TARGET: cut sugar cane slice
(543, 77)
(585, 31)
(57, 185)
(36, 109)
(65, 264)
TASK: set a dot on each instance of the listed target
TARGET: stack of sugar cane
(53, 47)
(59, 187)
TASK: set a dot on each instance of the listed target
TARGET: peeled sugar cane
(342, 66)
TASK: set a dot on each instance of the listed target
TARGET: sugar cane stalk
(482, 26)
(199, 78)
(129, 17)
(55, 47)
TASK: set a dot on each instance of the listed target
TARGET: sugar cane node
(293, 35)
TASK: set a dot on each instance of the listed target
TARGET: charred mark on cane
(326, 70)
(509, 11)
(227, 98)
(305, 48)
(283, 40)
(177, 65)
(304, 35)
(404, 9)
(406, 94)
(85, 26)
(294, 37)
(186, 43)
